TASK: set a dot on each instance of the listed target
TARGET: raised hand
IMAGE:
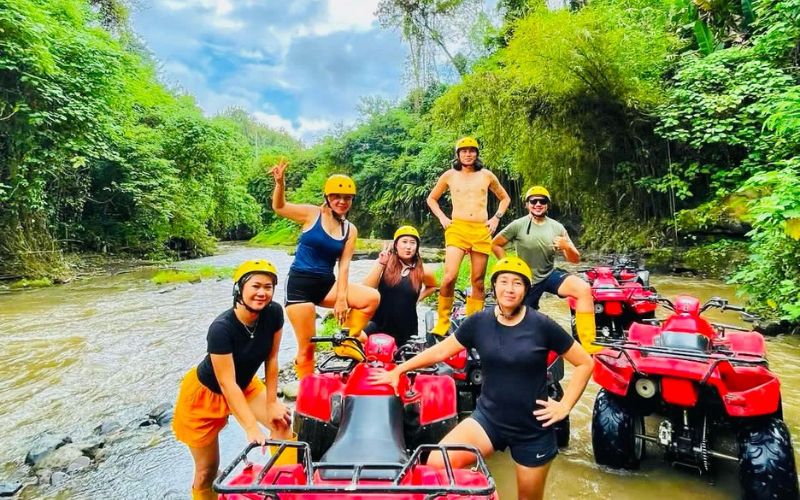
(383, 256)
(278, 169)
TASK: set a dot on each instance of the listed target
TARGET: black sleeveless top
(397, 312)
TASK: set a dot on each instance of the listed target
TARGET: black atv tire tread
(613, 442)
(766, 462)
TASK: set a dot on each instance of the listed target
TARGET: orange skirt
(200, 413)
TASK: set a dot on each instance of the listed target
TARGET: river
(113, 347)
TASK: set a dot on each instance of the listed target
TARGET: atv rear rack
(354, 486)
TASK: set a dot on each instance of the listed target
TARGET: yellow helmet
(255, 266)
(514, 265)
(536, 191)
(339, 184)
(406, 231)
(466, 142)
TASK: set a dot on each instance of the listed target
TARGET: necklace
(504, 315)
(252, 332)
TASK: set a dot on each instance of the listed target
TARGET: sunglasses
(538, 201)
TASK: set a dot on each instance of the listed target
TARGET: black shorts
(550, 284)
(307, 287)
(534, 452)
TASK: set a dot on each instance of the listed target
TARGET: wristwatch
(499, 215)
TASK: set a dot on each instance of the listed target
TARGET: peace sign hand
(383, 256)
(277, 170)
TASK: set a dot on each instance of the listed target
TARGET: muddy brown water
(114, 347)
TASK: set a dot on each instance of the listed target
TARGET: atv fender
(747, 343)
(612, 372)
(314, 395)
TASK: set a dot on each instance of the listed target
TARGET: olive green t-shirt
(534, 243)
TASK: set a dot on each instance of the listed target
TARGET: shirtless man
(470, 230)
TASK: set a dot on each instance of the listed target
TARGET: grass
(191, 275)
(32, 283)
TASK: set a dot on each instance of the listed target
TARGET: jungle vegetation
(652, 122)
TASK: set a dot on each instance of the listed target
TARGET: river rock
(8, 488)
(162, 413)
(107, 428)
(289, 390)
(78, 464)
(44, 446)
(90, 445)
(58, 478)
(60, 458)
(43, 476)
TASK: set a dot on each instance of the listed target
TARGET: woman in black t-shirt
(240, 340)
(513, 410)
(402, 281)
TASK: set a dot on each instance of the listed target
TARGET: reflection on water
(112, 348)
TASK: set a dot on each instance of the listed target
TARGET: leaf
(793, 228)
(748, 16)
(704, 37)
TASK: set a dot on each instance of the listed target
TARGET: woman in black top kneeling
(513, 410)
(402, 281)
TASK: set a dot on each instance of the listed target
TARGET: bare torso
(469, 192)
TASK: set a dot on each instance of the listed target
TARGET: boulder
(60, 458)
(44, 446)
(9, 488)
(107, 428)
(58, 478)
(162, 414)
(79, 464)
(289, 390)
(90, 445)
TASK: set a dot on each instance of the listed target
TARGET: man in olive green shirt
(537, 238)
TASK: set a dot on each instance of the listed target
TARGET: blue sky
(300, 65)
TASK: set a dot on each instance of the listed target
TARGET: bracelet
(499, 215)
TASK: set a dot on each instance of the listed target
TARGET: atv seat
(371, 432)
(682, 340)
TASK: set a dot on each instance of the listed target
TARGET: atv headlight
(645, 388)
(598, 308)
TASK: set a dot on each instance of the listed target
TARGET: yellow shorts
(200, 413)
(469, 236)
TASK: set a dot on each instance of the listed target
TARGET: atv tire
(766, 461)
(613, 429)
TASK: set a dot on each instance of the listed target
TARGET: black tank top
(397, 312)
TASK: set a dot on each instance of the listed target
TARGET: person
(470, 230)
(537, 238)
(513, 410)
(402, 281)
(327, 237)
(225, 382)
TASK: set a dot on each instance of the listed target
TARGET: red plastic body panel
(438, 397)
(421, 475)
(359, 384)
(678, 391)
(746, 343)
(458, 360)
(613, 308)
(314, 395)
(380, 347)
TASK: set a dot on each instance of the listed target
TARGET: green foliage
(771, 276)
(37, 283)
(191, 275)
(716, 260)
(282, 233)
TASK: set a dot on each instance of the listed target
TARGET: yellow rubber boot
(289, 455)
(584, 324)
(473, 306)
(356, 321)
(443, 322)
(302, 370)
(205, 494)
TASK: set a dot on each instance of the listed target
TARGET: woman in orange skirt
(225, 382)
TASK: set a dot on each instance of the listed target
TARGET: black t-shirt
(397, 312)
(514, 364)
(227, 335)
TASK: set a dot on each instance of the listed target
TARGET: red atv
(710, 386)
(355, 438)
(621, 293)
(465, 367)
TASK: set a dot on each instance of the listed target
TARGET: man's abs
(469, 192)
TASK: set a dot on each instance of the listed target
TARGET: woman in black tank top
(402, 281)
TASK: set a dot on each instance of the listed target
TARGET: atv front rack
(355, 485)
(717, 357)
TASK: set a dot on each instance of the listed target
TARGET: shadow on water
(112, 348)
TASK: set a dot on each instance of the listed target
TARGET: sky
(297, 65)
